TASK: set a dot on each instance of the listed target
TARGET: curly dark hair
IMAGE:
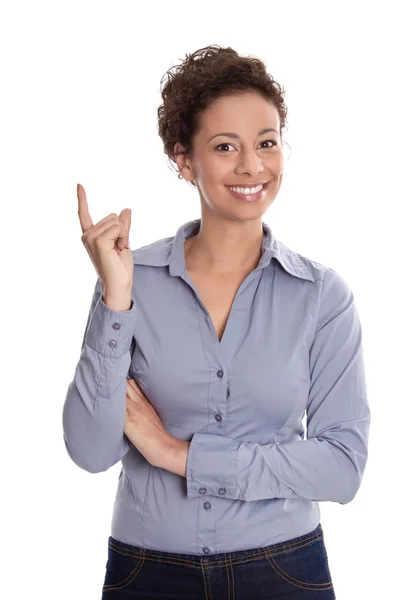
(203, 76)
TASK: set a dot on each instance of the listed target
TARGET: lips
(248, 185)
(250, 197)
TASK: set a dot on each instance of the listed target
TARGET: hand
(143, 426)
(107, 244)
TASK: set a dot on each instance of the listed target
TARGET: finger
(129, 391)
(83, 209)
(111, 233)
(135, 384)
(97, 230)
(133, 387)
(132, 394)
(111, 229)
(125, 218)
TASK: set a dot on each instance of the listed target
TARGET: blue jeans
(296, 569)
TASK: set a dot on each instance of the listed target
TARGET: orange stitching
(290, 579)
(184, 562)
(227, 575)
(209, 587)
(134, 554)
(205, 580)
(326, 557)
(233, 578)
(117, 586)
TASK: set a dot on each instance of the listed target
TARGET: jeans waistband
(220, 558)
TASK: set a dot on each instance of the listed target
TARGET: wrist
(117, 304)
(174, 456)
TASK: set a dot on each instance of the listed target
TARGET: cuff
(110, 332)
(211, 466)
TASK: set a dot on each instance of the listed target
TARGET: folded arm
(329, 464)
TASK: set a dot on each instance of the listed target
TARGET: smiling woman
(207, 75)
(221, 123)
(237, 337)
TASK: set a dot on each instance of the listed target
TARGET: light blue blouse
(291, 349)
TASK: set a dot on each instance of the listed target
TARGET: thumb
(125, 217)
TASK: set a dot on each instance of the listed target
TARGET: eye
(263, 142)
(270, 141)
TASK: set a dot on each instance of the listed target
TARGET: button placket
(218, 362)
(218, 416)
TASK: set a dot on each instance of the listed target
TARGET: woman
(227, 339)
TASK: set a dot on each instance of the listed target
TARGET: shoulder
(155, 254)
(333, 292)
(298, 264)
(329, 279)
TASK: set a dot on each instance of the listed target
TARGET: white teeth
(247, 191)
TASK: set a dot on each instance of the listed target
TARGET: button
(112, 343)
(220, 373)
(222, 491)
(218, 418)
(207, 505)
(116, 326)
(206, 550)
(202, 491)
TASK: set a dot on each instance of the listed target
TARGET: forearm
(330, 463)
(174, 457)
(94, 409)
(315, 469)
(117, 304)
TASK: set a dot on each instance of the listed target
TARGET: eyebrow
(236, 136)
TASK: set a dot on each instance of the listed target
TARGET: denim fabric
(291, 570)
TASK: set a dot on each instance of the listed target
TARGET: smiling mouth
(264, 185)
(251, 196)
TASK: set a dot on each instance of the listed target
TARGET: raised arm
(95, 406)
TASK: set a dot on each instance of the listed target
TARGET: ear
(180, 158)
(184, 163)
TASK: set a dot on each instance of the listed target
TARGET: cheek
(213, 169)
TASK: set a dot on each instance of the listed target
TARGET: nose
(250, 163)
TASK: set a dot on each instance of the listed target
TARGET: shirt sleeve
(329, 464)
(94, 409)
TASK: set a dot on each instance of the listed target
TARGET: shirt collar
(170, 252)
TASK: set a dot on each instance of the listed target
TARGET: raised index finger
(83, 209)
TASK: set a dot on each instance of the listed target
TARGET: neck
(223, 247)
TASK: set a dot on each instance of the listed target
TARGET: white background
(80, 87)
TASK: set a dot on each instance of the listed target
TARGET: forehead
(240, 112)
